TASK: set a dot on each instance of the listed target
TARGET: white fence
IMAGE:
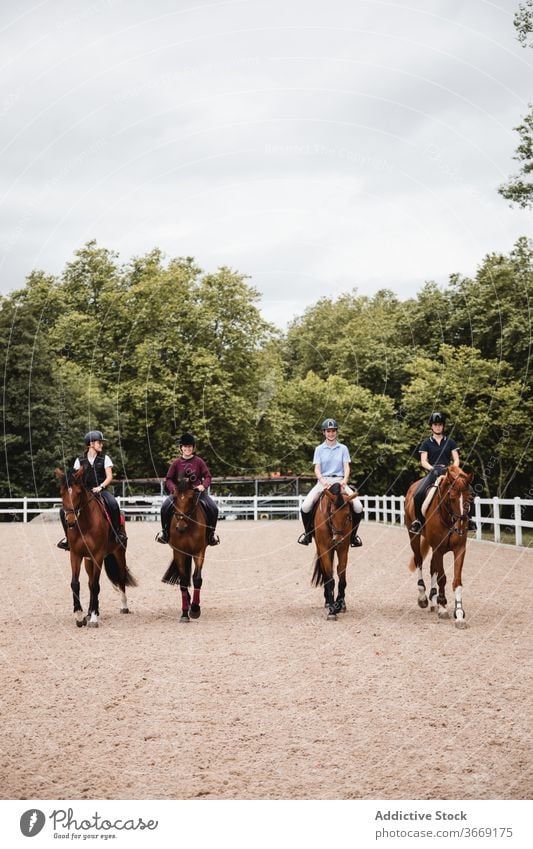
(388, 509)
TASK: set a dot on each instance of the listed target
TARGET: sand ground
(262, 697)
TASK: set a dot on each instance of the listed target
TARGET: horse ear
(351, 497)
(328, 494)
(78, 475)
(60, 475)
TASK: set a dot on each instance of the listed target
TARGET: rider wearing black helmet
(437, 452)
(332, 465)
(98, 474)
(192, 466)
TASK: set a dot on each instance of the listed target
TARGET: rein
(337, 532)
(450, 515)
(180, 514)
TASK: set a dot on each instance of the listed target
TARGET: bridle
(456, 518)
(186, 515)
(338, 533)
(76, 511)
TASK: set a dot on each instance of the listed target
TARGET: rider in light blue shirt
(332, 465)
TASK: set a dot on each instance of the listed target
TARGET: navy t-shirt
(439, 455)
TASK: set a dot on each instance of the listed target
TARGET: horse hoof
(331, 615)
(184, 618)
(194, 613)
(460, 623)
(81, 622)
(124, 610)
(443, 614)
(423, 603)
(93, 624)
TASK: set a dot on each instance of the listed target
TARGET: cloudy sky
(316, 145)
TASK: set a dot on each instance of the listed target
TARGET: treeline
(148, 349)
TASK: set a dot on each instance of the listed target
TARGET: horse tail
(424, 548)
(119, 575)
(318, 575)
(172, 575)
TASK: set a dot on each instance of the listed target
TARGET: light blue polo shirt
(331, 460)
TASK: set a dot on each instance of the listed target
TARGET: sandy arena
(262, 698)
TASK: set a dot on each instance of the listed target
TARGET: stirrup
(63, 544)
(213, 539)
(355, 541)
(162, 537)
(305, 538)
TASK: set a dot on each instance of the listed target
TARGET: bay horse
(91, 538)
(188, 540)
(445, 529)
(332, 525)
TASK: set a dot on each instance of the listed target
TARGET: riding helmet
(93, 436)
(437, 418)
(329, 423)
(187, 439)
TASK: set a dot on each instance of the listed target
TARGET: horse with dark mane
(445, 529)
(91, 538)
(332, 529)
(188, 540)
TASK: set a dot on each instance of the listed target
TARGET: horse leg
(420, 547)
(195, 610)
(93, 570)
(329, 583)
(457, 586)
(438, 578)
(75, 565)
(340, 603)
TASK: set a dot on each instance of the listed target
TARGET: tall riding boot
(166, 515)
(63, 543)
(307, 536)
(355, 540)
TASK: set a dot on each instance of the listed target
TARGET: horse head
(339, 513)
(457, 497)
(73, 494)
(185, 500)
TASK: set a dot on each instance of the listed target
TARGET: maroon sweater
(196, 468)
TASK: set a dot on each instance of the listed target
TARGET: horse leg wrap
(185, 599)
(75, 587)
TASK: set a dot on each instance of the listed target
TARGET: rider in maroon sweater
(191, 466)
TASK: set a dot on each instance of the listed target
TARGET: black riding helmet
(187, 439)
(94, 436)
(329, 424)
(437, 418)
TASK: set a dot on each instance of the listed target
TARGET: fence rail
(387, 509)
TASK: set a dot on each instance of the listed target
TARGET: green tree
(519, 189)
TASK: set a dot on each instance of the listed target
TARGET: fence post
(255, 508)
(25, 509)
(365, 507)
(518, 521)
(402, 509)
(477, 517)
(496, 516)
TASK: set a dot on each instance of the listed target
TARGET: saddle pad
(430, 495)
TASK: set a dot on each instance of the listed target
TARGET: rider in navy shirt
(437, 452)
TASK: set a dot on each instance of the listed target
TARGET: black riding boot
(113, 509)
(63, 543)
(211, 515)
(355, 540)
(307, 536)
(166, 515)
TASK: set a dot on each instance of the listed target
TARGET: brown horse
(445, 529)
(332, 529)
(91, 538)
(188, 540)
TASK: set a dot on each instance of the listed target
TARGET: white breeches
(313, 495)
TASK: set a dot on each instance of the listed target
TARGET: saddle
(430, 496)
